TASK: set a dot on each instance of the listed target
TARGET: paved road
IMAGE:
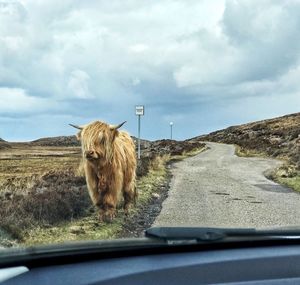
(218, 189)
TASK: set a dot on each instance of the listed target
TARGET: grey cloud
(185, 60)
(266, 35)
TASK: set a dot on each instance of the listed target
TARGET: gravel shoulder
(218, 189)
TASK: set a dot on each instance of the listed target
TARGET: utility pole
(139, 111)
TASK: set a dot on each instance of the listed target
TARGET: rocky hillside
(57, 141)
(172, 147)
(4, 144)
(150, 150)
(65, 141)
(278, 137)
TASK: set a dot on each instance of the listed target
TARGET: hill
(278, 137)
(65, 141)
(57, 141)
(4, 144)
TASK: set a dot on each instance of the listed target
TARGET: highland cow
(109, 162)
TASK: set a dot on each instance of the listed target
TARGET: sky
(203, 65)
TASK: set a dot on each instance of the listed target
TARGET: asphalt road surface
(218, 189)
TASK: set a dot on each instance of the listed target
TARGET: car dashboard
(278, 264)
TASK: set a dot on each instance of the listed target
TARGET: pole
(139, 111)
(171, 128)
(139, 136)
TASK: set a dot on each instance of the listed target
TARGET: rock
(155, 195)
(76, 230)
(282, 173)
(6, 240)
(287, 171)
(8, 195)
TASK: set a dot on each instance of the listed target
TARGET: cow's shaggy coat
(109, 162)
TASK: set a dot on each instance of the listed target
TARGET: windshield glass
(117, 116)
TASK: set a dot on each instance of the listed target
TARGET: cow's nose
(89, 153)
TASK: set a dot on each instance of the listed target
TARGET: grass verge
(284, 175)
(291, 182)
(184, 155)
(242, 152)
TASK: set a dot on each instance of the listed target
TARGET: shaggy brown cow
(109, 162)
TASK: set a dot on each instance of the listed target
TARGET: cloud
(78, 84)
(138, 48)
(136, 81)
(15, 100)
(265, 35)
(97, 59)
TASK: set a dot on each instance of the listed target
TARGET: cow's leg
(109, 200)
(130, 194)
(92, 184)
(108, 208)
(129, 187)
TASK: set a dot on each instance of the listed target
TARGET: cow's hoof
(127, 209)
(108, 217)
(100, 218)
(126, 213)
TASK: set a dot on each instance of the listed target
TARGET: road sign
(139, 110)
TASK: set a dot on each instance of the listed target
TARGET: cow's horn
(118, 126)
(76, 127)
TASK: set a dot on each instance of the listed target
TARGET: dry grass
(159, 162)
(89, 227)
(288, 175)
(52, 198)
(39, 187)
(43, 197)
(22, 165)
(291, 182)
(243, 152)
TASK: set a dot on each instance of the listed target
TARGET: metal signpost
(171, 126)
(139, 111)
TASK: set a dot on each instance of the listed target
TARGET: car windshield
(117, 116)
